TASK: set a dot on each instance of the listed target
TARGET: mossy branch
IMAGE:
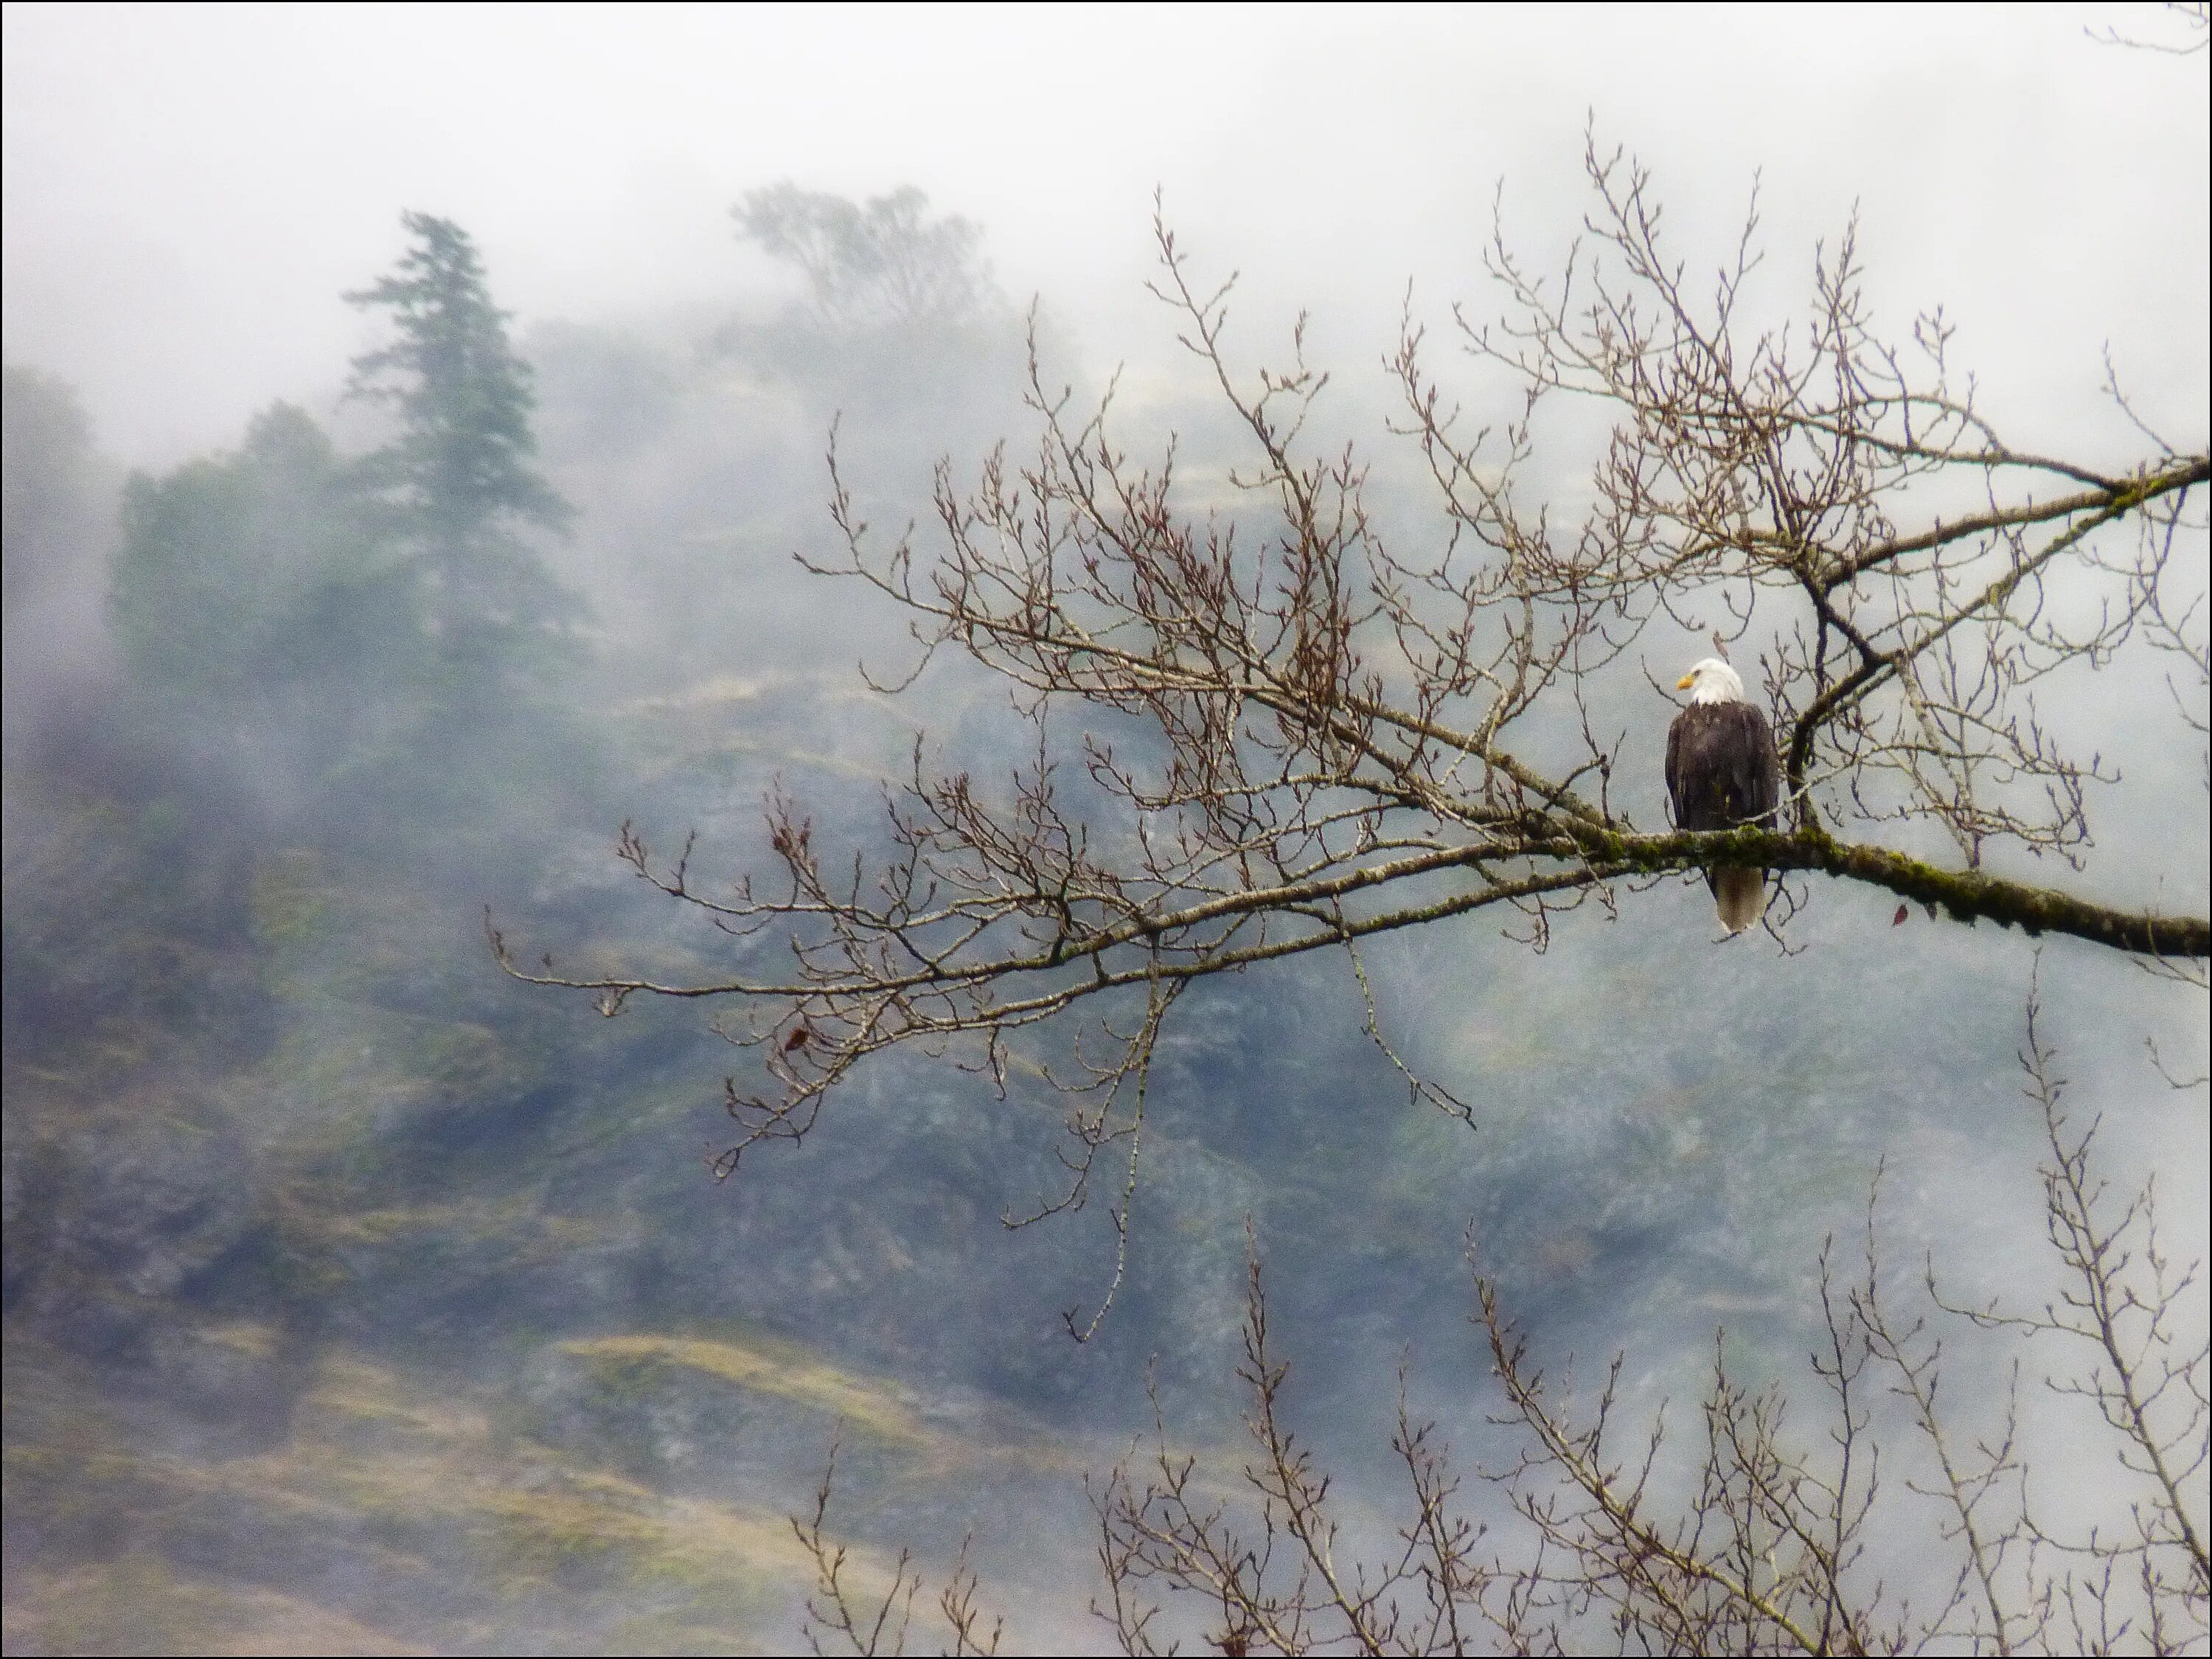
(1965, 894)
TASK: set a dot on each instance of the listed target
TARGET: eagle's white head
(1712, 680)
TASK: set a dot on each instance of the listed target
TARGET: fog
(186, 190)
(359, 1298)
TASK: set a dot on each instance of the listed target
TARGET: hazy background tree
(897, 305)
(48, 450)
(258, 605)
(885, 263)
(458, 480)
(60, 498)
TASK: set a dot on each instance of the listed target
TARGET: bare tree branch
(1262, 726)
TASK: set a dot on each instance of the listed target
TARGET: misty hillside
(360, 1297)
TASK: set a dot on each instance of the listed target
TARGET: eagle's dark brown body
(1722, 773)
(1721, 770)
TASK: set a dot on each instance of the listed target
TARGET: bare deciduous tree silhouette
(1264, 727)
(1261, 722)
(1590, 1538)
(843, 1617)
(1764, 1549)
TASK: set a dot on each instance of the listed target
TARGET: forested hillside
(360, 1297)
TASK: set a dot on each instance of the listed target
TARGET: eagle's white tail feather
(1740, 896)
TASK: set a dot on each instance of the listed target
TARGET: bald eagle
(1720, 773)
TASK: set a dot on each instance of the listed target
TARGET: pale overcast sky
(188, 190)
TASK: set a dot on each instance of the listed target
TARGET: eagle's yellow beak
(1686, 681)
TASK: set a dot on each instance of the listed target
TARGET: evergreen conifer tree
(458, 480)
